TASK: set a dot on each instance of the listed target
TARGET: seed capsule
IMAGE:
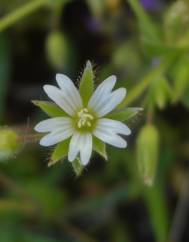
(147, 153)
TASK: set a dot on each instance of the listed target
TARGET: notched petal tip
(128, 131)
(58, 77)
(61, 77)
(123, 91)
(111, 81)
(114, 77)
(84, 162)
(124, 146)
(47, 87)
(43, 143)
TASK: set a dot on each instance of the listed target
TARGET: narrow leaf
(100, 147)
(147, 27)
(125, 115)
(49, 108)
(60, 151)
(87, 83)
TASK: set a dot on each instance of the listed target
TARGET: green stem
(157, 208)
(20, 13)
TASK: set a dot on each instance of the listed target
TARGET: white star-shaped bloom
(82, 122)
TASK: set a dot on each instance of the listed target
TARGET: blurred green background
(139, 194)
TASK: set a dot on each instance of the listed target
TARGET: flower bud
(56, 48)
(9, 143)
(176, 22)
(147, 153)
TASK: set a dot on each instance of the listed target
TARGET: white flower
(82, 122)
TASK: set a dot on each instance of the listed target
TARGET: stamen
(84, 118)
(88, 124)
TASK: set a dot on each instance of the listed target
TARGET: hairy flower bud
(9, 143)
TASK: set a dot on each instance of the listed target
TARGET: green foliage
(149, 30)
(20, 13)
(45, 197)
(127, 56)
(56, 3)
(176, 22)
(180, 75)
(87, 83)
(152, 75)
(15, 233)
(49, 108)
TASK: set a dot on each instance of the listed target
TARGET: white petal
(101, 92)
(74, 146)
(56, 95)
(50, 124)
(85, 148)
(110, 138)
(69, 90)
(114, 125)
(56, 136)
(113, 100)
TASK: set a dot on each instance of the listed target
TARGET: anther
(84, 118)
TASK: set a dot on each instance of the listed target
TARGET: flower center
(85, 118)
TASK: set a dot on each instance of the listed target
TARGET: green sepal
(124, 115)
(49, 108)
(87, 83)
(100, 147)
(77, 167)
(60, 152)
